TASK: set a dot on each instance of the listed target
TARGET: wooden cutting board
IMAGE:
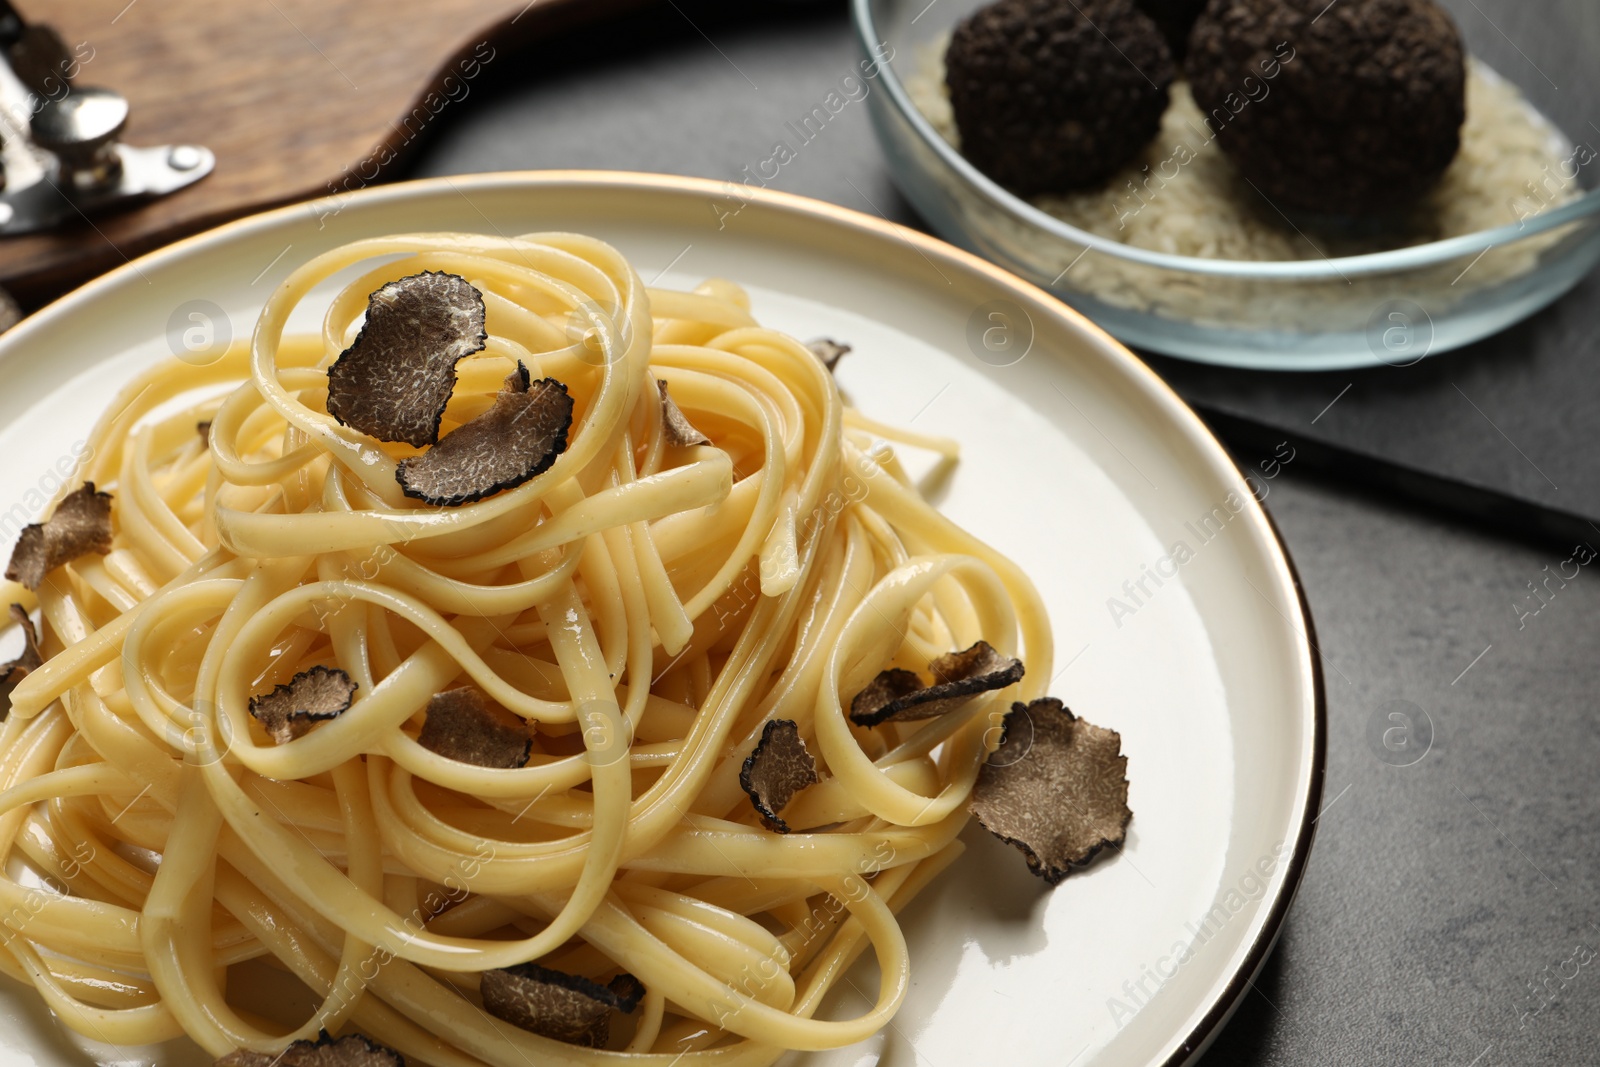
(297, 99)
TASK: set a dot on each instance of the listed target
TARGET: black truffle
(394, 381)
(351, 1050)
(81, 524)
(777, 768)
(675, 425)
(829, 351)
(1348, 110)
(519, 437)
(1056, 788)
(14, 671)
(1174, 18)
(557, 1005)
(313, 695)
(899, 696)
(1052, 95)
(466, 726)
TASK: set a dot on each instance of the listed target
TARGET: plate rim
(1269, 922)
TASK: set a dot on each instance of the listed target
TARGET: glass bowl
(1392, 307)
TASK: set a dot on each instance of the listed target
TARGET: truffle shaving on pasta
(420, 720)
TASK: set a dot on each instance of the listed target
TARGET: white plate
(1078, 462)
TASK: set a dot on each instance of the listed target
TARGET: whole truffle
(1174, 18)
(1052, 95)
(1352, 109)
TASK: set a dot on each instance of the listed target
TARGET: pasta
(645, 607)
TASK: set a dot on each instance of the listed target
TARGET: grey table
(1450, 913)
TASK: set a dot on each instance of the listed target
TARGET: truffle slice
(81, 524)
(310, 696)
(519, 437)
(466, 726)
(1358, 105)
(777, 768)
(1056, 788)
(1055, 95)
(557, 1005)
(351, 1050)
(890, 689)
(899, 696)
(16, 670)
(675, 426)
(393, 383)
(829, 351)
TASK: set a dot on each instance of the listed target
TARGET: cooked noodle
(646, 608)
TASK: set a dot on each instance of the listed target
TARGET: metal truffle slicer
(61, 159)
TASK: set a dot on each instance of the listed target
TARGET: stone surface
(1437, 894)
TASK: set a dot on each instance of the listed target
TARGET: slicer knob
(81, 130)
